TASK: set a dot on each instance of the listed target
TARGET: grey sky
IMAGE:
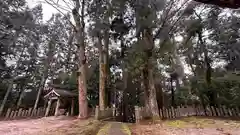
(48, 10)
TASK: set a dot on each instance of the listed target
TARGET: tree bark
(148, 38)
(208, 71)
(172, 92)
(102, 76)
(20, 98)
(106, 66)
(82, 87)
(41, 86)
(80, 37)
(104, 71)
(146, 89)
(6, 96)
(11, 81)
(152, 92)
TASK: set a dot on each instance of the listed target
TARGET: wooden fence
(23, 113)
(171, 113)
(103, 114)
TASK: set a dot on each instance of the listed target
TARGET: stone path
(114, 128)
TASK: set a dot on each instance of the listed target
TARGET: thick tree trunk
(145, 87)
(102, 77)
(82, 87)
(82, 76)
(104, 72)
(124, 78)
(152, 92)
(106, 66)
(148, 38)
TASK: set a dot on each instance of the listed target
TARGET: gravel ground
(34, 126)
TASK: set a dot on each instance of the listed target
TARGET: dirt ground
(189, 126)
(46, 126)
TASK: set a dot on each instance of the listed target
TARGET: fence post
(173, 112)
(181, 111)
(12, 114)
(178, 111)
(72, 107)
(188, 110)
(38, 112)
(237, 111)
(208, 111)
(213, 111)
(225, 111)
(198, 110)
(167, 112)
(114, 110)
(230, 112)
(23, 113)
(163, 112)
(97, 112)
(15, 114)
(218, 111)
(161, 115)
(137, 114)
(234, 112)
(19, 112)
(8, 113)
(29, 112)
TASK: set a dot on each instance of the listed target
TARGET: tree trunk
(146, 89)
(159, 88)
(82, 87)
(20, 98)
(11, 81)
(148, 38)
(80, 37)
(41, 86)
(208, 71)
(124, 77)
(106, 66)
(152, 92)
(172, 92)
(102, 76)
(6, 96)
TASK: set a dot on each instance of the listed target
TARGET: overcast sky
(48, 10)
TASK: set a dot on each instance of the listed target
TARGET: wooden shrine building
(64, 100)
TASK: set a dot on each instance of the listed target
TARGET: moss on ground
(104, 130)
(79, 127)
(200, 122)
(125, 129)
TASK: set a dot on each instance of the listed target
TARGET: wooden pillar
(48, 107)
(72, 107)
(57, 107)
